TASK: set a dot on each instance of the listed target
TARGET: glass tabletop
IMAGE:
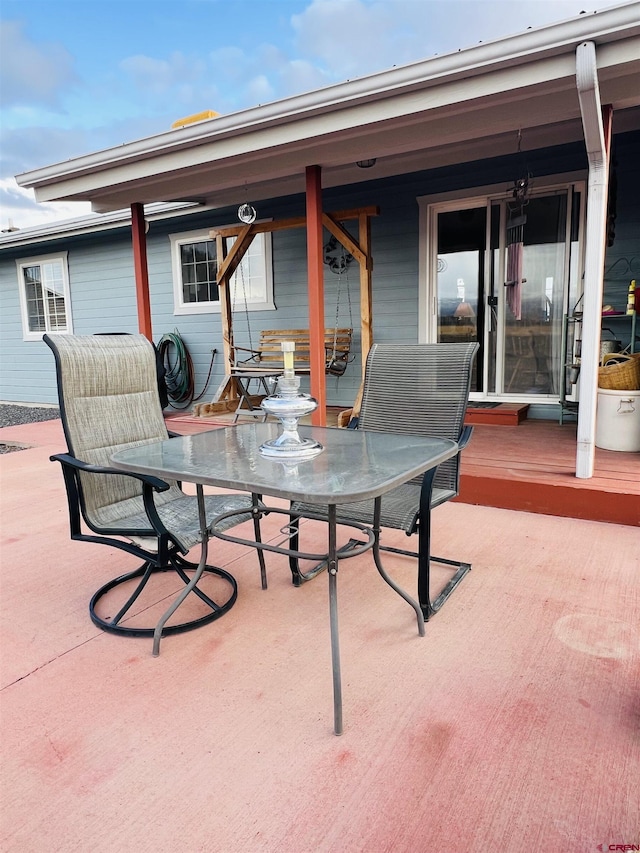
(354, 465)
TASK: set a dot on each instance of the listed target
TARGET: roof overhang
(444, 110)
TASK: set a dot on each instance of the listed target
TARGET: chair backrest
(109, 400)
(420, 389)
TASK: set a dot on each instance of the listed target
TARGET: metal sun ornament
(335, 256)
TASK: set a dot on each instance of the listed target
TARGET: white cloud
(260, 90)
(347, 36)
(125, 99)
(19, 209)
(158, 77)
(300, 75)
(32, 73)
(354, 37)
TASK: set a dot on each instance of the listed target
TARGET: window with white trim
(45, 302)
(195, 269)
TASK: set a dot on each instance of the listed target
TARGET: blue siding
(26, 369)
(103, 287)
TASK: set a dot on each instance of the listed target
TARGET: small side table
(266, 380)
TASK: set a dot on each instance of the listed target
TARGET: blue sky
(82, 75)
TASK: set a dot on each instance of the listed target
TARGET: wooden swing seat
(269, 355)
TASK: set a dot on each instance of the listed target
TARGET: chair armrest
(465, 436)
(66, 459)
(256, 355)
(247, 349)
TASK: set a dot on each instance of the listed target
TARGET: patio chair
(421, 389)
(109, 400)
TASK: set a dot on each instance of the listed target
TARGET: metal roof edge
(93, 222)
(613, 23)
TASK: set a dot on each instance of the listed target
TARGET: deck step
(496, 414)
(565, 500)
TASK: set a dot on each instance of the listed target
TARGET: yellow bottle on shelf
(631, 298)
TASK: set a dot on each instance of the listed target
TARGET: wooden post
(139, 237)
(225, 309)
(366, 295)
(316, 294)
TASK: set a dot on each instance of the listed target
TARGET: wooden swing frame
(228, 394)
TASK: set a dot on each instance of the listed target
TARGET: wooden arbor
(227, 395)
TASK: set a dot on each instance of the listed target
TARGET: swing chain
(338, 260)
(245, 301)
(338, 298)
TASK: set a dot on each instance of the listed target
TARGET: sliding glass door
(504, 274)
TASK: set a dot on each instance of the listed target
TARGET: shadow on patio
(512, 726)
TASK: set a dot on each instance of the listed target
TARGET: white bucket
(618, 420)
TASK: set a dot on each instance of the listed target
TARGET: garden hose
(179, 373)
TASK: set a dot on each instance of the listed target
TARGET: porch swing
(267, 355)
(265, 360)
(337, 258)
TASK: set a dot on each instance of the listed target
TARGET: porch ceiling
(445, 110)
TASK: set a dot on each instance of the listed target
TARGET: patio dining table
(354, 465)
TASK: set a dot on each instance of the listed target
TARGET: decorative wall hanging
(516, 220)
(335, 256)
(247, 213)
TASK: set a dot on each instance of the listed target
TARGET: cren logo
(622, 847)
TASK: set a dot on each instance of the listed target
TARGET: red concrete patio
(512, 726)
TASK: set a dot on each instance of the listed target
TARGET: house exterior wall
(103, 289)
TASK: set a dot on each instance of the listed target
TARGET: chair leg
(144, 572)
(451, 584)
(430, 607)
(298, 577)
(113, 625)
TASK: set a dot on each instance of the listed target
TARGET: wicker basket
(620, 372)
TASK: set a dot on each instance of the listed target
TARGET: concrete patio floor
(512, 726)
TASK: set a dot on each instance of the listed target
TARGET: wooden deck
(531, 467)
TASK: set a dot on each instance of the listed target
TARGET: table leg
(202, 517)
(332, 564)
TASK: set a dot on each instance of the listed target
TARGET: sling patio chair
(418, 389)
(109, 401)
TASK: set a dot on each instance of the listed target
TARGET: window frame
(180, 307)
(39, 260)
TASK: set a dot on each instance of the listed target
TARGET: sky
(79, 76)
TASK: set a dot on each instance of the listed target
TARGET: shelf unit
(571, 343)
(571, 338)
(616, 318)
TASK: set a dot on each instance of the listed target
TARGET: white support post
(597, 192)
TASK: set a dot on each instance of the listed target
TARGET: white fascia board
(504, 53)
(452, 98)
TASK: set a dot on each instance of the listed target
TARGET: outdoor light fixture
(366, 164)
(464, 309)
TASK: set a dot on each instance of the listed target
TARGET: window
(44, 295)
(195, 270)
